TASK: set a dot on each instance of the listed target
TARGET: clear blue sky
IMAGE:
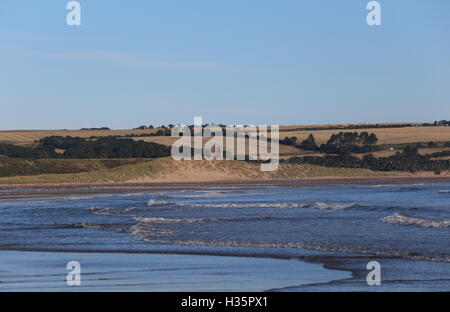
(230, 61)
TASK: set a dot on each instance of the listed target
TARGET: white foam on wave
(405, 220)
(154, 203)
(206, 194)
(316, 205)
(84, 197)
(175, 220)
(169, 220)
(101, 211)
(444, 191)
(102, 227)
(210, 194)
(130, 194)
(376, 185)
(320, 205)
(142, 231)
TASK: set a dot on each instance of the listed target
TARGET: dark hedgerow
(408, 160)
(105, 147)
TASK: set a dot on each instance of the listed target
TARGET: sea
(405, 228)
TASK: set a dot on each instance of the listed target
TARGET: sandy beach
(7, 190)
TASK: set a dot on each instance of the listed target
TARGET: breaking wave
(103, 227)
(141, 231)
(201, 195)
(154, 203)
(316, 205)
(101, 211)
(170, 220)
(375, 185)
(320, 205)
(444, 191)
(176, 220)
(405, 220)
(84, 197)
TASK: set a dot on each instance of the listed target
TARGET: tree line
(407, 160)
(340, 143)
(75, 147)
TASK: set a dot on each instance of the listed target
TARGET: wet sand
(12, 191)
(46, 271)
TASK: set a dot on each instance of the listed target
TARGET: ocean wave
(201, 195)
(221, 194)
(87, 196)
(316, 205)
(134, 209)
(376, 185)
(444, 192)
(155, 203)
(196, 220)
(263, 218)
(96, 226)
(101, 211)
(402, 254)
(170, 220)
(320, 205)
(141, 231)
(130, 194)
(405, 220)
(125, 212)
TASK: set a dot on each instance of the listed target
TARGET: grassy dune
(20, 166)
(169, 170)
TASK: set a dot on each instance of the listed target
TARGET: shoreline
(115, 269)
(397, 269)
(121, 187)
(44, 271)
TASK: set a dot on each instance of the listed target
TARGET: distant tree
(14, 151)
(289, 141)
(372, 139)
(408, 160)
(350, 142)
(309, 144)
(432, 144)
(96, 129)
(410, 151)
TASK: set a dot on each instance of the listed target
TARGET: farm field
(385, 135)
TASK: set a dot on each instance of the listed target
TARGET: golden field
(385, 135)
(30, 136)
(168, 170)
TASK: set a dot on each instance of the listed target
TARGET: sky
(154, 62)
